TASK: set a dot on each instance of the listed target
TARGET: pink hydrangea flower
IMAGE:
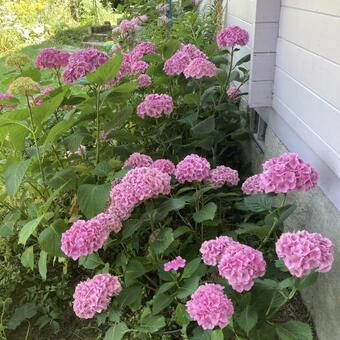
(222, 175)
(138, 160)
(182, 58)
(212, 250)
(210, 307)
(177, 63)
(199, 68)
(232, 36)
(164, 165)
(143, 18)
(136, 186)
(94, 295)
(84, 238)
(192, 51)
(6, 96)
(52, 58)
(139, 66)
(144, 81)
(192, 168)
(155, 106)
(175, 264)
(302, 252)
(233, 94)
(253, 185)
(240, 265)
(83, 62)
(286, 173)
(143, 48)
(127, 27)
(38, 98)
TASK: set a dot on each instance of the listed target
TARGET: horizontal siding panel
(317, 115)
(326, 153)
(243, 9)
(315, 32)
(331, 7)
(313, 71)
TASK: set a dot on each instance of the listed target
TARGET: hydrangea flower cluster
(222, 175)
(175, 264)
(18, 60)
(182, 58)
(24, 86)
(155, 106)
(241, 265)
(83, 62)
(144, 81)
(86, 237)
(199, 68)
(303, 252)
(232, 36)
(139, 66)
(286, 173)
(142, 49)
(6, 96)
(233, 93)
(252, 185)
(210, 307)
(52, 58)
(164, 165)
(128, 27)
(212, 250)
(138, 160)
(138, 185)
(192, 168)
(94, 295)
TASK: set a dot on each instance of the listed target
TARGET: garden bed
(127, 204)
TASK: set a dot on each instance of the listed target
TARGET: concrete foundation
(315, 213)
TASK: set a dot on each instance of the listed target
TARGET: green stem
(276, 220)
(97, 94)
(35, 139)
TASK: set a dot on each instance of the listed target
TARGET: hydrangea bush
(126, 180)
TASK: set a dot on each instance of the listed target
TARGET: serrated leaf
(294, 330)
(27, 258)
(91, 261)
(160, 301)
(204, 127)
(163, 241)
(116, 332)
(151, 323)
(190, 268)
(134, 270)
(107, 71)
(207, 213)
(247, 319)
(258, 203)
(93, 198)
(42, 265)
(28, 229)
(22, 313)
(14, 176)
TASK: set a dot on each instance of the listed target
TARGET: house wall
(295, 88)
